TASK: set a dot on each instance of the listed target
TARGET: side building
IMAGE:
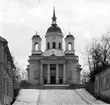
(102, 84)
(6, 73)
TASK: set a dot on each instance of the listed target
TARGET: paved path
(55, 97)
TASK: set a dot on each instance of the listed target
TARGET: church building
(55, 65)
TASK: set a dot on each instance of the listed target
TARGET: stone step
(55, 86)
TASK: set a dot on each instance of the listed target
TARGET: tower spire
(69, 32)
(54, 17)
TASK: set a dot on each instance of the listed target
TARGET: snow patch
(55, 97)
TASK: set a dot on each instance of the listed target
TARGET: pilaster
(48, 72)
(64, 74)
(41, 74)
(57, 74)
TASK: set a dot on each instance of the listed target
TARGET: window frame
(69, 46)
(60, 47)
(54, 45)
(36, 48)
(48, 45)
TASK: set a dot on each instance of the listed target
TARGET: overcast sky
(20, 19)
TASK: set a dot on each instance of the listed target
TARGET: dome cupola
(70, 36)
(54, 27)
(36, 36)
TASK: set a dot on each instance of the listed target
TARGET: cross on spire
(54, 17)
(69, 33)
(36, 32)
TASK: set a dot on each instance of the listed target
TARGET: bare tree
(98, 55)
(16, 71)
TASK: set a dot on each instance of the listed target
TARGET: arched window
(54, 45)
(48, 45)
(36, 46)
(69, 46)
(59, 45)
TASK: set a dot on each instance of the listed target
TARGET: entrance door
(53, 73)
(53, 80)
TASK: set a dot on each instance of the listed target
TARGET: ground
(55, 97)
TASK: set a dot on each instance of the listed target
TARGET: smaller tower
(69, 44)
(36, 44)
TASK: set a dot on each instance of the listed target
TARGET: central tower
(54, 35)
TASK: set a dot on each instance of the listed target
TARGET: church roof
(54, 28)
(3, 40)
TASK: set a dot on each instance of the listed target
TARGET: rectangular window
(35, 74)
(103, 83)
(70, 75)
(4, 85)
(95, 86)
(10, 89)
(7, 87)
(5, 58)
(107, 82)
(100, 84)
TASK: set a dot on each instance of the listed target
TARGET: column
(41, 74)
(57, 74)
(48, 73)
(64, 74)
(77, 76)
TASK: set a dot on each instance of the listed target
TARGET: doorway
(53, 73)
(53, 80)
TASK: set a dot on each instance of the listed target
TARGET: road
(56, 97)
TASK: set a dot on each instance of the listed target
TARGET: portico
(53, 73)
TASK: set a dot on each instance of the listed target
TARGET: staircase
(56, 86)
